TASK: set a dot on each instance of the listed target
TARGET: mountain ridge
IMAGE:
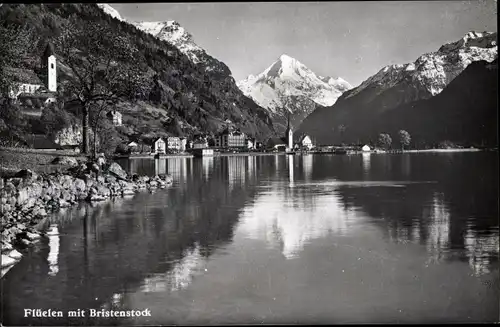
(396, 86)
(183, 93)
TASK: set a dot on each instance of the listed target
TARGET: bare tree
(104, 67)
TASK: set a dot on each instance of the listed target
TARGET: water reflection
(438, 229)
(481, 250)
(246, 219)
(52, 258)
(160, 166)
(236, 170)
(366, 163)
(291, 218)
(307, 162)
(405, 164)
(179, 275)
(208, 163)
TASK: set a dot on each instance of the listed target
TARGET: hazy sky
(353, 40)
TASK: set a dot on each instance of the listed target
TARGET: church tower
(289, 134)
(50, 68)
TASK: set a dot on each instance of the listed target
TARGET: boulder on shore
(116, 170)
(68, 161)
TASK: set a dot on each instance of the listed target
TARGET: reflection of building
(251, 166)
(52, 258)
(366, 157)
(290, 169)
(177, 167)
(208, 163)
(160, 166)
(236, 170)
(307, 162)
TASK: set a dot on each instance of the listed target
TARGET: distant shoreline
(248, 154)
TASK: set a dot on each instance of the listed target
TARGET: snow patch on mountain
(172, 32)
(433, 71)
(110, 11)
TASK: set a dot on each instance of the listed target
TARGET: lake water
(277, 239)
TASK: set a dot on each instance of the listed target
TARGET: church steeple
(48, 63)
(289, 133)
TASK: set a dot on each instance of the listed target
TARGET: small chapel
(34, 90)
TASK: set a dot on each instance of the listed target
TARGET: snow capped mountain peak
(433, 71)
(110, 11)
(289, 86)
(172, 32)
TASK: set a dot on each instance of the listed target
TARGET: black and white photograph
(249, 163)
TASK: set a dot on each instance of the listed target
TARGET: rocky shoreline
(27, 198)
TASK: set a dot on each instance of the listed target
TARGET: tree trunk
(85, 127)
(95, 141)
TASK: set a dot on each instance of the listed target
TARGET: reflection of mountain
(289, 224)
(453, 212)
(438, 229)
(179, 276)
(481, 250)
(288, 217)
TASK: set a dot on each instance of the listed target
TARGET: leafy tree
(15, 42)
(12, 124)
(385, 140)
(404, 138)
(446, 144)
(54, 118)
(105, 68)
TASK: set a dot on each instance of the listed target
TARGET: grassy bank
(13, 160)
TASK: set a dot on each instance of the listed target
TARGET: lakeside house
(199, 144)
(115, 117)
(231, 139)
(174, 143)
(251, 144)
(306, 142)
(133, 147)
(159, 146)
(183, 144)
(366, 148)
(277, 143)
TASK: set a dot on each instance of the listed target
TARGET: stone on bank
(27, 198)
